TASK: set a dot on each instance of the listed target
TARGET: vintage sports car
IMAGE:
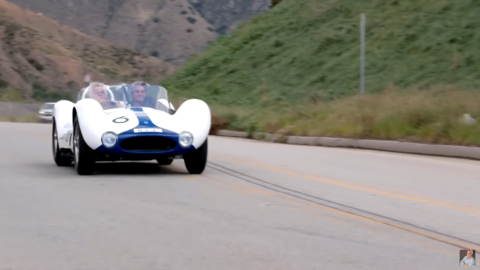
(129, 122)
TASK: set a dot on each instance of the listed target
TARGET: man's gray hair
(137, 83)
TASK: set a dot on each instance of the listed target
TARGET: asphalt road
(257, 206)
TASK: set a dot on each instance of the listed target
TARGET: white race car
(129, 122)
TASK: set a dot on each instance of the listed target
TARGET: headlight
(109, 139)
(185, 139)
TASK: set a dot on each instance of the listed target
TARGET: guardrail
(19, 109)
(390, 146)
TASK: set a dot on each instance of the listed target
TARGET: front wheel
(196, 160)
(83, 155)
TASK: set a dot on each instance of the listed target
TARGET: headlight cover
(109, 139)
(185, 139)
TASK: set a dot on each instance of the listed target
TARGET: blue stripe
(143, 119)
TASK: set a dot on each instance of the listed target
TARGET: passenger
(99, 93)
(138, 91)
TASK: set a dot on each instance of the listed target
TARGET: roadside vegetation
(40, 95)
(20, 119)
(295, 70)
(435, 115)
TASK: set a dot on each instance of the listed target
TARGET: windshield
(145, 95)
(128, 96)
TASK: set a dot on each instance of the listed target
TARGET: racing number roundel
(120, 120)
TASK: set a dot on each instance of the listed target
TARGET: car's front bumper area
(144, 146)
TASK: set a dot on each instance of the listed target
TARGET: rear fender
(62, 114)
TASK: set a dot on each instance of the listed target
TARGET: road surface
(256, 206)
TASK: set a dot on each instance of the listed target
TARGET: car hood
(124, 120)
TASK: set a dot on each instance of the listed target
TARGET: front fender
(192, 116)
(62, 114)
(195, 117)
(94, 122)
(91, 119)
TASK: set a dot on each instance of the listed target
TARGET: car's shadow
(117, 168)
(138, 168)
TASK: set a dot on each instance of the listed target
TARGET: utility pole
(362, 53)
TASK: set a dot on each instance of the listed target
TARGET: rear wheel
(196, 160)
(83, 155)
(57, 153)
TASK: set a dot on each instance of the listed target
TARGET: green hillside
(293, 61)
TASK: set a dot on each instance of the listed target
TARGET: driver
(99, 93)
(138, 91)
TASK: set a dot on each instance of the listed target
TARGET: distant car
(45, 112)
(119, 129)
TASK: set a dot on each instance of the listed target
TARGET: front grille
(148, 144)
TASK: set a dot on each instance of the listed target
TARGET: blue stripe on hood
(143, 119)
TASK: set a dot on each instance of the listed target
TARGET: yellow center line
(316, 207)
(393, 195)
(247, 191)
(283, 197)
(306, 203)
(358, 188)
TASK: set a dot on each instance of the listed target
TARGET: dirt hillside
(38, 55)
(171, 30)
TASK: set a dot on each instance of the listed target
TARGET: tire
(164, 161)
(196, 160)
(83, 155)
(60, 160)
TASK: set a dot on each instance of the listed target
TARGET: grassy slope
(280, 71)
